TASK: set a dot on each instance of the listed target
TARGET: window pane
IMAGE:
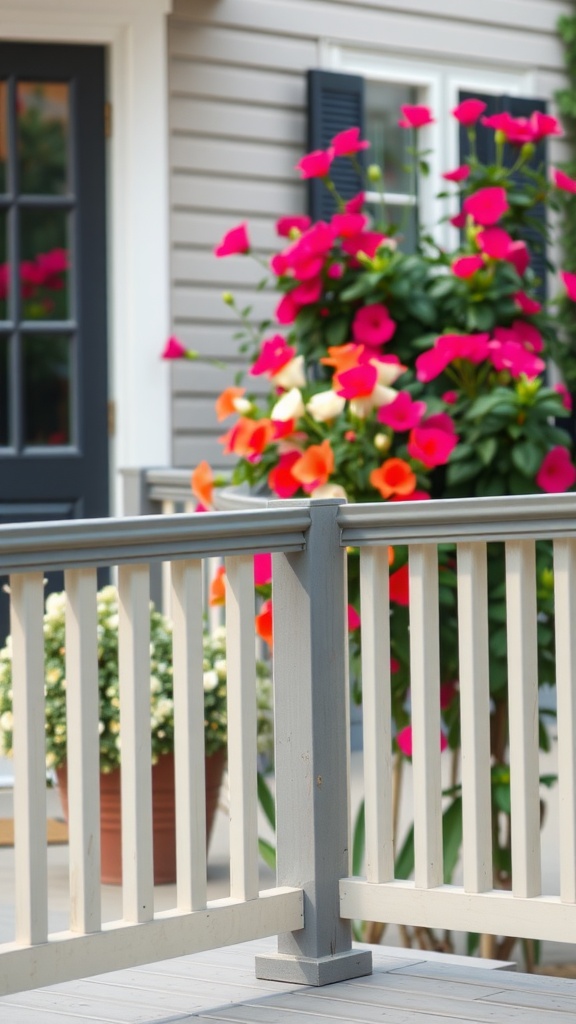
(47, 377)
(4, 270)
(405, 218)
(389, 142)
(4, 412)
(43, 131)
(43, 268)
(3, 137)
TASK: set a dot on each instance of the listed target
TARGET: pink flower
(415, 496)
(513, 357)
(528, 305)
(307, 292)
(543, 125)
(286, 311)
(280, 479)
(441, 421)
(404, 741)
(346, 225)
(358, 382)
(468, 112)
(262, 570)
(459, 220)
(557, 472)
(274, 354)
(355, 204)
(415, 117)
(335, 271)
(487, 205)
(174, 349)
(562, 181)
(473, 347)
(569, 284)
(306, 256)
(366, 241)
(316, 164)
(459, 174)
(565, 396)
(519, 257)
(495, 242)
(353, 618)
(403, 413)
(234, 242)
(372, 325)
(287, 224)
(467, 266)
(515, 130)
(450, 397)
(400, 580)
(431, 446)
(348, 142)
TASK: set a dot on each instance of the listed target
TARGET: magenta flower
(495, 242)
(262, 569)
(528, 305)
(366, 242)
(557, 473)
(359, 382)
(440, 421)
(287, 224)
(569, 284)
(565, 396)
(347, 225)
(372, 325)
(519, 257)
(522, 332)
(487, 205)
(235, 241)
(403, 413)
(459, 220)
(515, 130)
(174, 349)
(274, 354)
(287, 310)
(467, 266)
(562, 181)
(450, 397)
(459, 174)
(513, 357)
(431, 446)
(353, 618)
(348, 142)
(307, 292)
(468, 112)
(473, 347)
(415, 117)
(316, 164)
(404, 741)
(355, 204)
(543, 125)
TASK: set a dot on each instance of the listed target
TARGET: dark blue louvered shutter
(485, 148)
(335, 102)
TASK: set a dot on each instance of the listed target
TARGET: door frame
(134, 33)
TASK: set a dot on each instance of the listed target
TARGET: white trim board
(134, 34)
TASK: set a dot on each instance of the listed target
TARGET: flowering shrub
(161, 694)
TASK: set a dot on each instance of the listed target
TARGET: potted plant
(161, 723)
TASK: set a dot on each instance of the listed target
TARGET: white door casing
(134, 34)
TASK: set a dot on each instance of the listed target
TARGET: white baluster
(83, 753)
(565, 617)
(523, 716)
(168, 509)
(189, 735)
(377, 713)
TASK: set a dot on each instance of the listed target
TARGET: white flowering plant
(161, 690)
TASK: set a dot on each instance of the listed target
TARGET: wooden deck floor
(406, 988)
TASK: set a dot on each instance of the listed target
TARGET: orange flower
(264, 623)
(315, 465)
(393, 477)
(225, 402)
(343, 357)
(390, 556)
(248, 437)
(202, 484)
(218, 588)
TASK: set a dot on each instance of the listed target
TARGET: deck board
(407, 987)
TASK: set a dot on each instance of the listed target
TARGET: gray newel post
(311, 728)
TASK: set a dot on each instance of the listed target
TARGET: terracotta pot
(163, 816)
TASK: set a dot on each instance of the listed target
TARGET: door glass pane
(405, 219)
(3, 137)
(389, 142)
(4, 270)
(4, 412)
(43, 266)
(47, 377)
(43, 111)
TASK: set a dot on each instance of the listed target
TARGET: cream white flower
(210, 680)
(361, 407)
(388, 373)
(242, 405)
(289, 407)
(325, 405)
(291, 375)
(329, 491)
(6, 721)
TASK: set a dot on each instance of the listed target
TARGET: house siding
(238, 126)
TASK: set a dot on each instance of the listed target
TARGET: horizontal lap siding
(238, 126)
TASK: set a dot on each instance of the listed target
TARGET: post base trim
(325, 970)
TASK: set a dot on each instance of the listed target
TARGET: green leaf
(459, 472)
(337, 331)
(266, 799)
(526, 457)
(359, 841)
(486, 450)
(268, 853)
(451, 837)
(501, 797)
(405, 860)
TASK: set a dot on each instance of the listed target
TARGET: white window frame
(134, 35)
(438, 84)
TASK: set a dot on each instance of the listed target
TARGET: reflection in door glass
(43, 131)
(389, 142)
(47, 374)
(4, 270)
(3, 137)
(43, 266)
(4, 412)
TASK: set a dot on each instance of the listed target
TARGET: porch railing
(315, 898)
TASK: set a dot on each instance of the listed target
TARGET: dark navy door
(53, 345)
